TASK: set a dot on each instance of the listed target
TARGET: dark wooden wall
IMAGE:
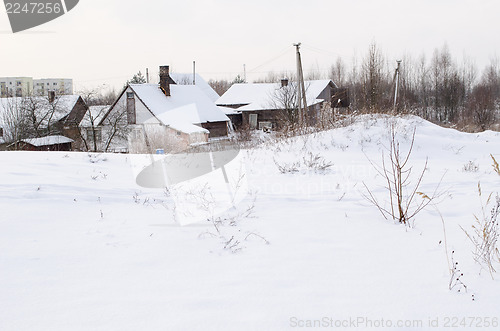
(217, 129)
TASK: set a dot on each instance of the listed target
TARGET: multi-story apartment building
(23, 86)
(15, 86)
(59, 85)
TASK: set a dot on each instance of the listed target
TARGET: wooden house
(266, 105)
(54, 115)
(167, 116)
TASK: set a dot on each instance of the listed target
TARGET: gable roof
(48, 141)
(187, 79)
(251, 97)
(62, 107)
(97, 113)
(182, 118)
(62, 104)
(181, 95)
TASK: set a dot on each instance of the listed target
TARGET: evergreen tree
(238, 80)
(137, 79)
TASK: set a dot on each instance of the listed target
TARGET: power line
(283, 52)
(104, 78)
(321, 51)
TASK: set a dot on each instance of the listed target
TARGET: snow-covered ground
(83, 247)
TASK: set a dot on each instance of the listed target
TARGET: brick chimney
(52, 96)
(165, 80)
(284, 82)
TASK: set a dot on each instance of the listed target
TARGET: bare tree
(482, 105)
(314, 73)
(37, 114)
(52, 111)
(100, 129)
(284, 99)
(115, 127)
(274, 77)
(14, 120)
(338, 73)
(219, 86)
(90, 132)
(374, 78)
(423, 88)
(88, 128)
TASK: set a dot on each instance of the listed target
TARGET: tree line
(439, 88)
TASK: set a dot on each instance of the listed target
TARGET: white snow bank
(82, 247)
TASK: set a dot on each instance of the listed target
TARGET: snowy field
(83, 247)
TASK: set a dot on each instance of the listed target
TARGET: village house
(259, 106)
(34, 117)
(190, 79)
(166, 116)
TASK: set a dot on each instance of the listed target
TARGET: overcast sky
(107, 41)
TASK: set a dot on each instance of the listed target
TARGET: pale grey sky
(107, 41)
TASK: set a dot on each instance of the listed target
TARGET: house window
(55, 84)
(131, 115)
(137, 134)
(178, 133)
(19, 83)
(265, 126)
(90, 136)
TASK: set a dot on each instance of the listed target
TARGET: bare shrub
(227, 229)
(470, 167)
(310, 161)
(485, 232)
(286, 168)
(316, 162)
(244, 134)
(401, 187)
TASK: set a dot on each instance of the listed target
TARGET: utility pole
(245, 73)
(147, 75)
(301, 91)
(396, 78)
(194, 72)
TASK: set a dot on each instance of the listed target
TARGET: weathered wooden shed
(49, 143)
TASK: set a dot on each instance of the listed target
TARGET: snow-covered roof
(48, 140)
(182, 118)
(61, 106)
(67, 101)
(228, 110)
(187, 79)
(186, 104)
(263, 96)
(95, 113)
